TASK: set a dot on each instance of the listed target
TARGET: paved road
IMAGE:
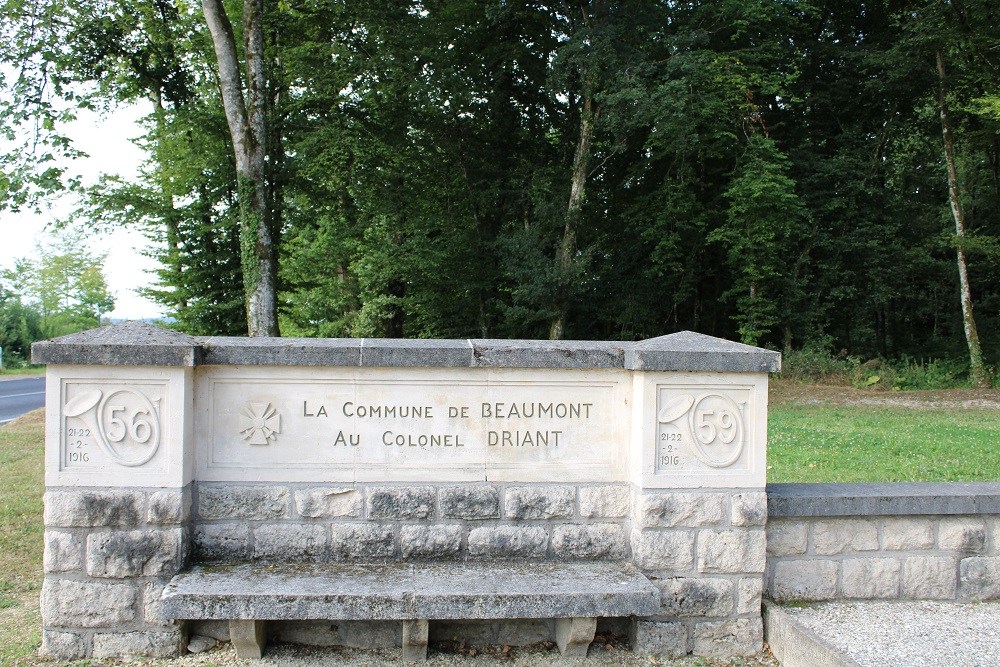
(20, 396)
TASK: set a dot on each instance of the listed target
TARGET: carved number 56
(137, 428)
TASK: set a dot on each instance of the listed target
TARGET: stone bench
(248, 595)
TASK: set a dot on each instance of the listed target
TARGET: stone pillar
(117, 501)
(699, 431)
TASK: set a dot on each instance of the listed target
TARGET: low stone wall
(902, 541)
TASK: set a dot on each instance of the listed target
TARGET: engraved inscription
(700, 427)
(260, 423)
(117, 424)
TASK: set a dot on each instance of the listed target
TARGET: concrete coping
(882, 499)
(142, 344)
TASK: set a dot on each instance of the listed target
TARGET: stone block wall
(705, 551)
(108, 554)
(883, 541)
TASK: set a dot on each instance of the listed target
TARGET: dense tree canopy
(767, 170)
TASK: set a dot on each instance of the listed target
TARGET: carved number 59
(712, 426)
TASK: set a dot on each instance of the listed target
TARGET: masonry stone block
(151, 603)
(663, 550)
(508, 542)
(63, 552)
(661, 639)
(289, 542)
(261, 503)
(539, 502)
(168, 507)
(416, 502)
(804, 579)
(964, 535)
(222, 542)
(87, 604)
(63, 645)
(844, 535)
(738, 550)
(361, 541)
(696, 596)
(749, 591)
(979, 578)
(134, 553)
(930, 578)
(670, 509)
(470, 502)
(90, 509)
(787, 537)
(595, 541)
(605, 502)
(870, 578)
(159, 644)
(907, 534)
(328, 502)
(749, 509)
(724, 639)
(439, 541)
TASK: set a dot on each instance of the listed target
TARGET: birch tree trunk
(977, 371)
(247, 126)
(567, 248)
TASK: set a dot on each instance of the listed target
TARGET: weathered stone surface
(425, 590)
(669, 640)
(907, 534)
(289, 542)
(736, 550)
(152, 610)
(222, 542)
(414, 502)
(695, 596)
(930, 578)
(470, 502)
(62, 645)
(749, 591)
(724, 639)
(260, 351)
(134, 553)
(886, 499)
(787, 537)
(595, 541)
(93, 508)
(168, 507)
(749, 509)
(605, 502)
(86, 604)
(212, 628)
(127, 344)
(63, 552)
(870, 578)
(356, 634)
(160, 644)
(667, 510)
(546, 353)
(325, 502)
(360, 541)
(243, 502)
(690, 351)
(803, 580)
(964, 535)
(508, 542)
(539, 502)
(663, 550)
(844, 535)
(440, 541)
(979, 578)
(201, 643)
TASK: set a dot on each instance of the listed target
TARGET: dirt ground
(822, 394)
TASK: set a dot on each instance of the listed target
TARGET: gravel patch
(914, 634)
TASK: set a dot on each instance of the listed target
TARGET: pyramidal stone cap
(142, 344)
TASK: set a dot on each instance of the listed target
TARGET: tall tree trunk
(567, 248)
(977, 371)
(247, 127)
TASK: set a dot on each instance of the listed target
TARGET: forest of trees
(790, 173)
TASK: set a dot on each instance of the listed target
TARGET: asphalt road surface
(20, 396)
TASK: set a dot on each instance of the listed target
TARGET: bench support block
(574, 635)
(415, 641)
(248, 637)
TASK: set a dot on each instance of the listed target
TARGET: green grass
(27, 370)
(854, 443)
(21, 487)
